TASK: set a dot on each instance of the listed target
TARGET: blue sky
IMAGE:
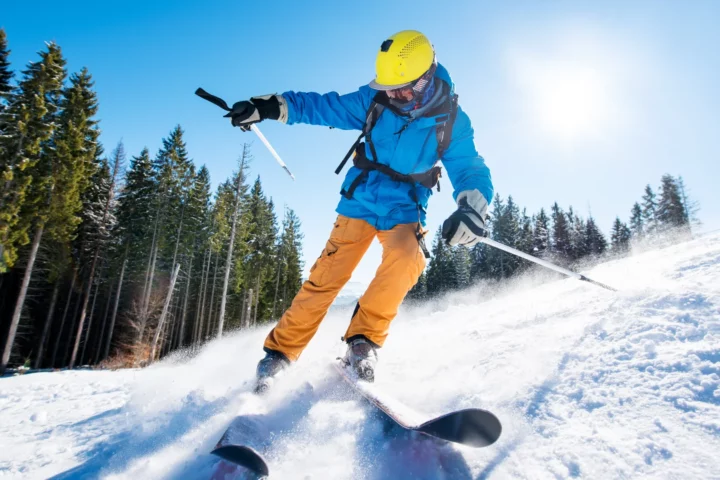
(578, 102)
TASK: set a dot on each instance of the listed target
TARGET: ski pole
(262, 138)
(544, 263)
(222, 104)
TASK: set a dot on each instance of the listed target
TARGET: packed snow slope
(588, 384)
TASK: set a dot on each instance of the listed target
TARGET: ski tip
(244, 457)
(472, 427)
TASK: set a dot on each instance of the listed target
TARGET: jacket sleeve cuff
(283, 109)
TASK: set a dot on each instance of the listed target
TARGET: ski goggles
(415, 89)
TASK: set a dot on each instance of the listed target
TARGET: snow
(350, 294)
(588, 384)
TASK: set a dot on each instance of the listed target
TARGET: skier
(409, 120)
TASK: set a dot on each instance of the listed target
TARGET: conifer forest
(118, 258)
(560, 236)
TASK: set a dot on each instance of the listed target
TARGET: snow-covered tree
(561, 244)
(541, 234)
(637, 222)
(595, 242)
(619, 237)
(649, 211)
(671, 212)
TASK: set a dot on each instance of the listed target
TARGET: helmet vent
(416, 42)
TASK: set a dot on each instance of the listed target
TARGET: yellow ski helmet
(402, 59)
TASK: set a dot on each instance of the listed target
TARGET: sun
(570, 102)
(566, 100)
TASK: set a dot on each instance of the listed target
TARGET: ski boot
(362, 357)
(268, 368)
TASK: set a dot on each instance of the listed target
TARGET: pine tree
(28, 176)
(561, 245)
(6, 89)
(24, 180)
(649, 211)
(289, 264)
(73, 147)
(135, 211)
(578, 240)
(526, 237)
(637, 222)
(595, 242)
(98, 222)
(504, 222)
(541, 234)
(235, 213)
(419, 291)
(440, 270)
(620, 237)
(671, 212)
(258, 265)
(196, 236)
(479, 267)
(691, 206)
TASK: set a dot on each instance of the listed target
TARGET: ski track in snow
(588, 384)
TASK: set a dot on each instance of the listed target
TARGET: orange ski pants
(402, 264)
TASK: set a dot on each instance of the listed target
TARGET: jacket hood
(443, 75)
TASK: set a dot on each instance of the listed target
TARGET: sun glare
(569, 101)
(567, 98)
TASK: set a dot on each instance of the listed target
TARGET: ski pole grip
(212, 99)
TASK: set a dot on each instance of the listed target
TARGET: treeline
(101, 259)
(562, 237)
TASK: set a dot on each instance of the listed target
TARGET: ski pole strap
(212, 99)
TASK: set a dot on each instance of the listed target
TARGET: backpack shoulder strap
(371, 118)
(444, 130)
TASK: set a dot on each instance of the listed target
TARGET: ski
(248, 438)
(241, 445)
(473, 427)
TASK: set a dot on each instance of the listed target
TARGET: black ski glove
(466, 226)
(245, 113)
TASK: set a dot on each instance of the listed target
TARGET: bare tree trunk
(99, 342)
(21, 299)
(48, 322)
(212, 301)
(169, 327)
(257, 301)
(248, 312)
(164, 311)
(146, 301)
(66, 353)
(181, 334)
(62, 322)
(201, 318)
(149, 263)
(83, 312)
(90, 319)
(228, 261)
(115, 309)
(200, 306)
(277, 284)
(243, 309)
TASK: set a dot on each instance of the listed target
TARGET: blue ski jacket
(381, 201)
